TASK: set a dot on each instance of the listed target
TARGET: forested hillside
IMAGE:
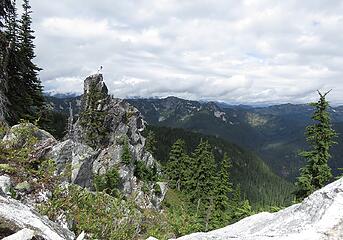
(257, 182)
(275, 133)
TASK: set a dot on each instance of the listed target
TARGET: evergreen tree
(244, 209)
(14, 88)
(23, 89)
(28, 70)
(204, 175)
(186, 172)
(223, 186)
(222, 215)
(126, 156)
(150, 143)
(316, 172)
(203, 182)
(174, 168)
(6, 9)
(6, 6)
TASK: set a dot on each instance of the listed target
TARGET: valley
(275, 133)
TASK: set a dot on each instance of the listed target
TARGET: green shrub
(180, 213)
(108, 182)
(6, 168)
(98, 214)
(157, 189)
(145, 187)
(155, 224)
(126, 156)
(17, 158)
(3, 129)
(145, 173)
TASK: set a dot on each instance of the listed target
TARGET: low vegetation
(19, 159)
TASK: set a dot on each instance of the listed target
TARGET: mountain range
(275, 133)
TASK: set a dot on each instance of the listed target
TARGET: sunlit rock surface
(22, 222)
(318, 217)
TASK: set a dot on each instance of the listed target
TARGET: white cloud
(237, 51)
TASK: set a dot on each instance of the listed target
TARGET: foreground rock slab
(318, 217)
(20, 220)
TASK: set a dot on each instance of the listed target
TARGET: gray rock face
(15, 134)
(78, 156)
(318, 217)
(85, 158)
(23, 222)
(24, 234)
(121, 122)
(5, 184)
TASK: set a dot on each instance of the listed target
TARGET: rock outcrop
(95, 144)
(96, 140)
(18, 221)
(318, 217)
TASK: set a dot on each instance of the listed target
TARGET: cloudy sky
(249, 51)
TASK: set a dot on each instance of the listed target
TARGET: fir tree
(6, 9)
(23, 88)
(14, 88)
(223, 186)
(204, 176)
(150, 143)
(173, 170)
(316, 172)
(186, 172)
(6, 6)
(28, 70)
(126, 156)
(221, 215)
(203, 182)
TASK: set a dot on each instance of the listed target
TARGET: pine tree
(203, 182)
(23, 88)
(222, 215)
(316, 172)
(174, 169)
(186, 172)
(223, 185)
(14, 88)
(150, 143)
(204, 176)
(126, 156)
(6, 9)
(29, 71)
(6, 6)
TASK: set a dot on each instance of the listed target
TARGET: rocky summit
(318, 217)
(94, 145)
(95, 142)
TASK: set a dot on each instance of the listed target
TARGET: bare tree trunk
(199, 200)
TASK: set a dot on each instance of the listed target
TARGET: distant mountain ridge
(275, 132)
(61, 95)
